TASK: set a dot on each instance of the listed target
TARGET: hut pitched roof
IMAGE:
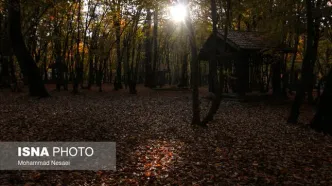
(244, 41)
(247, 40)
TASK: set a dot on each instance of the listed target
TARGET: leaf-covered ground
(246, 144)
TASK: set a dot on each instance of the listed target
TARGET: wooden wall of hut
(242, 74)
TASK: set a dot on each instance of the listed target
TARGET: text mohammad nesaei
(56, 152)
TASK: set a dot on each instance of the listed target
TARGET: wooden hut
(59, 74)
(251, 60)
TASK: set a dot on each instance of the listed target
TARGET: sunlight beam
(178, 12)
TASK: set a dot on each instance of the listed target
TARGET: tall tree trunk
(117, 24)
(184, 71)
(126, 51)
(218, 87)
(322, 120)
(134, 49)
(148, 50)
(314, 58)
(239, 22)
(91, 70)
(296, 45)
(77, 76)
(306, 67)
(314, 53)
(213, 84)
(138, 62)
(213, 79)
(26, 62)
(88, 21)
(168, 63)
(45, 67)
(155, 47)
(292, 78)
(12, 70)
(194, 71)
(58, 57)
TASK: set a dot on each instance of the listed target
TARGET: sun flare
(178, 12)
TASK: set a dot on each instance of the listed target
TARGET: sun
(329, 3)
(178, 12)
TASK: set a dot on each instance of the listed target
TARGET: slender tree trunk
(132, 80)
(117, 24)
(4, 75)
(126, 49)
(184, 71)
(148, 50)
(213, 78)
(69, 50)
(294, 58)
(314, 54)
(314, 58)
(58, 57)
(77, 76)
(26, 62)
(12, 70)
(138, 62)
(168, 64)
(306, 67)
(213, 84)
(296, 45)
(239, 22)
(91, 70)
(45, 67)
(155, 47)
(2, 64)
(194, 71)
(322, 121)
(134, 49)
(218, 87)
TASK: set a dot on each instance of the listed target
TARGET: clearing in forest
(247, 143)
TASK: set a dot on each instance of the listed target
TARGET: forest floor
(247, 143)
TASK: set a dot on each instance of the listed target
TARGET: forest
(193, 92)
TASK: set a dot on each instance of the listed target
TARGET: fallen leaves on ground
(246, 144)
